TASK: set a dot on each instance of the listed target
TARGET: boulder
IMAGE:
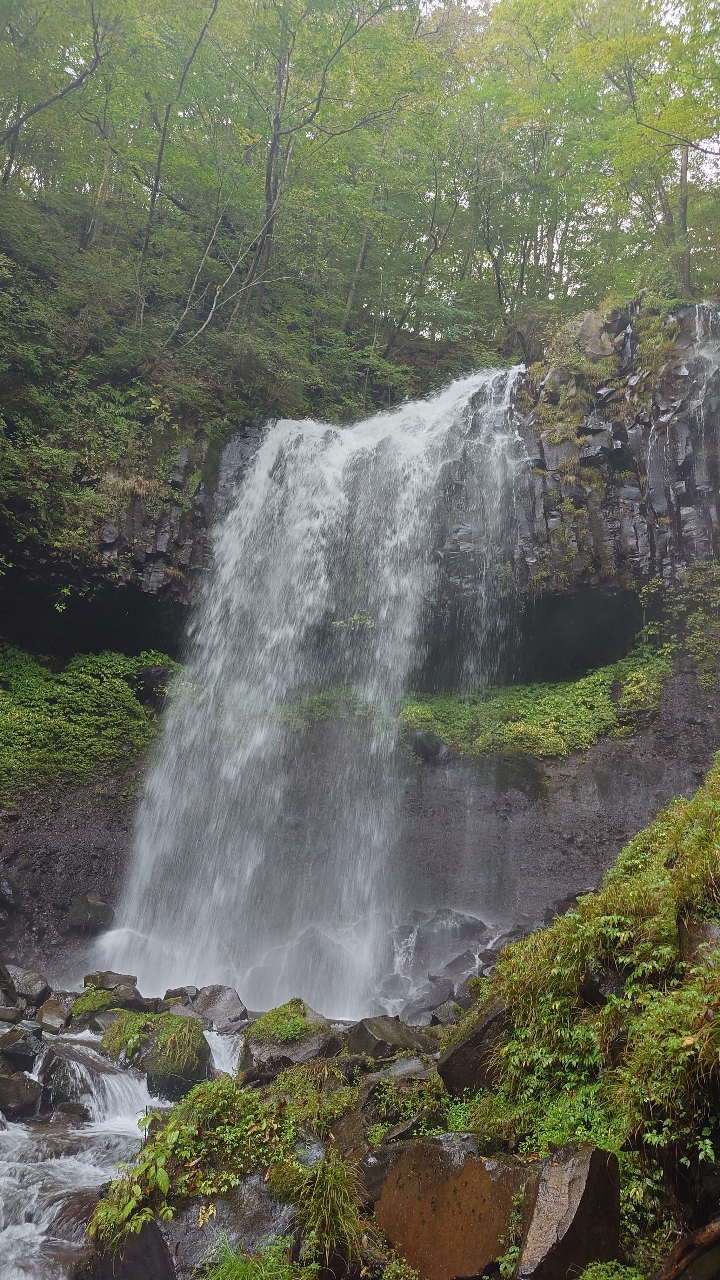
(31, 986)
(573, 1214)
(697, 938)
(145, 1256)
(248, 1217)
(593, 336)
(599, 984)
(433, 993)
(385, 1037)
(106, 980)
(20, 1048)
(220, 1005)
(174, 1057)
(53, 1016)
(18, 1093)
(446, 1208)
(9, 1014)
(468, 1064)
(71, 1073)
(279, 1040)
(447, 1014)
(349, 1132)
(89, 914)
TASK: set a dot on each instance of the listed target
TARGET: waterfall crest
(324, 578)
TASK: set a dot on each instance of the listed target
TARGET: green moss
(177, 1043)
(69, 726)
(284, 1025)
(94, 1000)
(544, 720)
(690, 611)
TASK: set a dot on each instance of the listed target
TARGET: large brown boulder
(446, 1208)
(468, 1063)
(573, 1215)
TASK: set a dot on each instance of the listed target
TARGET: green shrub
(315, 1093)
(284, 1025)
(70, 725)
(273, 1263)
(329, 1197)
(218, 1133)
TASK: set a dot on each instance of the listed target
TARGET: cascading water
(321, 598)
(51, 1173)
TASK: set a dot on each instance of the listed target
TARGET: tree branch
(98, 39)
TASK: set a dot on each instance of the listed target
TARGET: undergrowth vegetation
(69, 725)
(546, 719)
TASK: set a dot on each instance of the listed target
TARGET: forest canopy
(211, 209)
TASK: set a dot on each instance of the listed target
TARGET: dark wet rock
(181, 993)
(54, 1016)
(349, 1132)
(9, 1014)
(573, 1215)
(396, 986)
(220, 1005)
(145, 1257)
(418, 1010)
(434, 938)
(20, 1048)
(460, 967)
(468, 1063)
(89, 914)
(107, 980)
(248, 1217)
(385, 1037)
(447, 1014)
(101, 1022)
(70, 1073)
(446, 1208)
(18, 1093)
(73, 1112)
(599, 984)
(7, 986)
(32, 986)
(697, 938)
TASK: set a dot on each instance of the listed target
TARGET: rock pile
(442, 1203)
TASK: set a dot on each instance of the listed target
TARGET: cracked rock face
(634, 493)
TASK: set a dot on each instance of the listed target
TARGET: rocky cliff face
(624, 446)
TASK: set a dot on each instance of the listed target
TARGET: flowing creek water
(322, 593)
(52, 1169)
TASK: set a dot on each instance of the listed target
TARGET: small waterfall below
(322, 599)
(52, 1171)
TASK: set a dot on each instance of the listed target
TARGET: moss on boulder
(172, 1049)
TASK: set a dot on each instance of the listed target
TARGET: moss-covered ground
(69, 725)
(546, 719)
(285, 1025)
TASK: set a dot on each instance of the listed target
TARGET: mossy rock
(290, 1034)
(172, 1049)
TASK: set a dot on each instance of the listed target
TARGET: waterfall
(263, 854)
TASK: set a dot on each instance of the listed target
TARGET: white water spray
(324, 581)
